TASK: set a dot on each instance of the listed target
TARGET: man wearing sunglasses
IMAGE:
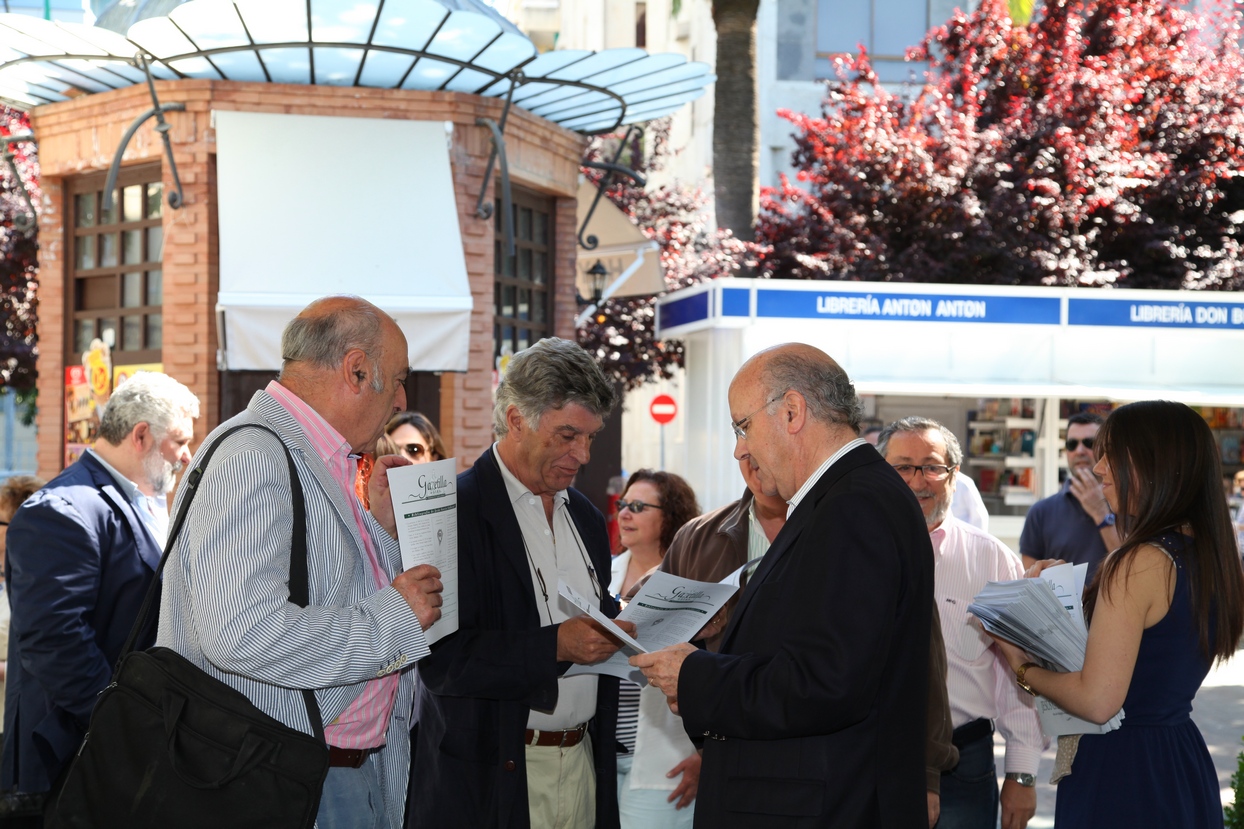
(1074, 524)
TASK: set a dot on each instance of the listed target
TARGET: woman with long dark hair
(1162, 608)
(658, 767)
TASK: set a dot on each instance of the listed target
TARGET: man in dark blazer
(81, 554)
(504, 739)
(813, 711)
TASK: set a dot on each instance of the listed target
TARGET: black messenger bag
(170, 747)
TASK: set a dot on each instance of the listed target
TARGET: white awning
(631, 259)
(295, 226)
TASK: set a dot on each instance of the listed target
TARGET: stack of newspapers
(1045, 618)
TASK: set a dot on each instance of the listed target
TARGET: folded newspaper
(1044, 617)
(667, 610)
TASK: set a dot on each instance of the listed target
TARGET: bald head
(328, 329)
(824, 386)
(347, 360)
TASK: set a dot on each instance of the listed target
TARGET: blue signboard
(908, 307)
(1145, 313)
(736, 302)
(682, 311)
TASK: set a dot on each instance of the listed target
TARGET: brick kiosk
(78, 138)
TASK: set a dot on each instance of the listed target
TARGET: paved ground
(1218, 712)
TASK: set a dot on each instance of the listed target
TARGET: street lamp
(598, 272)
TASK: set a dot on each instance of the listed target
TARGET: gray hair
(147, 397)
(549, 375)
(825, 387)
(954, 452)
(324, 339)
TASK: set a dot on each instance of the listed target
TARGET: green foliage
(1021, 11)
(1234, 814)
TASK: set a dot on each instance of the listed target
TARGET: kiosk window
(523, 287)
(115, 275)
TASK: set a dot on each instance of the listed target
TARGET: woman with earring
(1162, 608)
(659, 771)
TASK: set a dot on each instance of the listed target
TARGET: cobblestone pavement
(1218, 711)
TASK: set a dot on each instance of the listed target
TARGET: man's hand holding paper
(584, 641)
(662, 667)
(666, 610)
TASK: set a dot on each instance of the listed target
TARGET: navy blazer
(815, 707)
(479, 684)
(79, 562)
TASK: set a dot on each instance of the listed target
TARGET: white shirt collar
(821, 470)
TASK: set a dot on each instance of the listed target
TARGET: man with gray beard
(81, 554)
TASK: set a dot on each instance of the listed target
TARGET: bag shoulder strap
(299, 590)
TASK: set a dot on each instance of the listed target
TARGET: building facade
(147, 278)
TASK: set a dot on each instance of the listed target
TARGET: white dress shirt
(979, 681)
(821, 470)
(554, 553)
(151, 509)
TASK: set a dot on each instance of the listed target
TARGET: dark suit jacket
(714, 545)
(816, 703)
(79, 562)
(480, 683)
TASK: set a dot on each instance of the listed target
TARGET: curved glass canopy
(446, 45)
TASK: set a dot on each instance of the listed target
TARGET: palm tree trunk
(736, 130)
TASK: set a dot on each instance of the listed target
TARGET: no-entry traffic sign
(663, 408)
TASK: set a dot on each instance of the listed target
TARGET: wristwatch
(1108, 521)
(1019, 676)
(1026, 780)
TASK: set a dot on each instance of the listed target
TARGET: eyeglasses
(1072, 443)
(740, 426)
(930, 471)
(635, 506)
(416, 450)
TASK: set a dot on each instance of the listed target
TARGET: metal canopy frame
(462, 51)
(611, 168)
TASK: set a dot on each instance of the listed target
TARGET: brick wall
(81, 136)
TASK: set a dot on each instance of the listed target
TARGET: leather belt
(350, 758)
(564, 739)
(969, 733)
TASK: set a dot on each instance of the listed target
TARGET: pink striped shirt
(363, 723)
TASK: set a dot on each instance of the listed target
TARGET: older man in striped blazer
(226, 597)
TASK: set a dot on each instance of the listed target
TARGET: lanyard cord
(544, 587)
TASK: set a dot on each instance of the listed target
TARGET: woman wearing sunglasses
(409, 434)
(1164, 605)
(659, 772)
(415, 438)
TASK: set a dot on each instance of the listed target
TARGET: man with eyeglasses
(503, 738)
(927, 455)
(714, 545)
(1074, 524)
(813, 710)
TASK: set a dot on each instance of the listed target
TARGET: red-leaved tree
(19, 251)
(1101, 144)
(621, 333)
